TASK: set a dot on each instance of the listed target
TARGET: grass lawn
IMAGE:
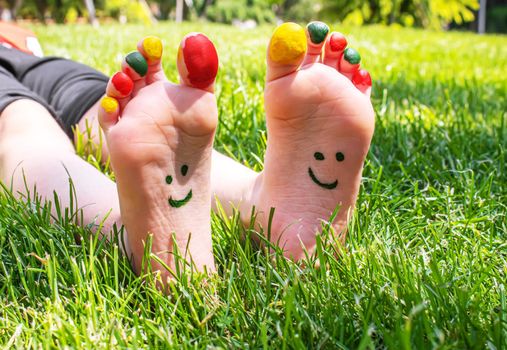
(425, 265)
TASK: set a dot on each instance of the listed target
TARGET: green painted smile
(329, 186)
(175, 203)
(319, 156)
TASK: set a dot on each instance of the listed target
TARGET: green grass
(425, 265)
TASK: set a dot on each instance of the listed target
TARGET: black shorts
(66, 88)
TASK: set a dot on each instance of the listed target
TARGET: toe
(286, 50)
(362, 81)
(335, 45)
(316, 34)
(136, 67)
(151, 48)
(120, 85)
(349, 62)
(109, 112)
(197, 62)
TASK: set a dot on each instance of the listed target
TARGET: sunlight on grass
(425, 264)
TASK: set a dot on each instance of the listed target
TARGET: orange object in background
(22, 39)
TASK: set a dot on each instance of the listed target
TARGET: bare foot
(320, 123)
(160, 137)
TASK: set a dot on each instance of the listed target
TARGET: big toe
(198, 62)
(286, 50)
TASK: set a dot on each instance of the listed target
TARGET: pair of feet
(160, 137)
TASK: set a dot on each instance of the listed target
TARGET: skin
(177, 203)
(288, 44)
(350, 62)
(35, 151)
(311, 106)
(333, 49)
(362, 80)
(109, 104)
(351, 56)
(200, 58)
(337, 42)
(343, 120)
(137, 62)
(291, 91)
(317, 32)
(122, 83)
(152, 47)
(148, 138)
(331, 185)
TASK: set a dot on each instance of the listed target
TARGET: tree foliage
(420, 13)
(226, 11)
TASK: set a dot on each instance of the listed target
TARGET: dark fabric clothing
(66, 88)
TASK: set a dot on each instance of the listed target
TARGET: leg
(32, 143)
(34, 94)
(33, 148)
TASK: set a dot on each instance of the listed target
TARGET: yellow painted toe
(153, 47)
(109, 104)
(288, 44)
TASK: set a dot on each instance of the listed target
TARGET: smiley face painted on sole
(177, 203)
(327, 185)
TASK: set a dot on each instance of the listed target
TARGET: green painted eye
(318, 156)
(168, 179)
(184, 169)
(340, 157)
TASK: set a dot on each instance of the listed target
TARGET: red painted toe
(122, 83)
(201, 60)
(362, 78)
(337, 42)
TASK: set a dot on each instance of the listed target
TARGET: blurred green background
(434, 14)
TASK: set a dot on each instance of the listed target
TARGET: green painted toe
(351, 56)
(137, 62)
(318, 32)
